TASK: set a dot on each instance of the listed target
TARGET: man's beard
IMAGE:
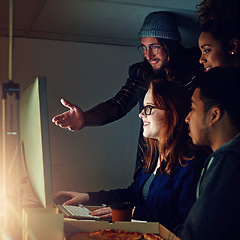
(203, 133)
(160, 71)
(203, 137)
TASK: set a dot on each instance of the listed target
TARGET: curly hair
(220, 10)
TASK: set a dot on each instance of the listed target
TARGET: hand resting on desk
(75, 198)
(104, 212)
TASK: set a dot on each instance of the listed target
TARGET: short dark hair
(221, 87)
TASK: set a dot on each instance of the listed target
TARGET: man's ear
(216, 114)
(234, 46)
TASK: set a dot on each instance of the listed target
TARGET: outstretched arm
(75, 119)
(109, 111)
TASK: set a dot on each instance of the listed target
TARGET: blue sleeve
(132, 193)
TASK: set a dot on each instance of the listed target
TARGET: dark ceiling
(96, 21)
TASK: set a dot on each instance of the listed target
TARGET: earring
(232, 52)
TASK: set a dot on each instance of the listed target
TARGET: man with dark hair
(214, 121)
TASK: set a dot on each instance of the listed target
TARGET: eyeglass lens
(147, 109)
(153, 49)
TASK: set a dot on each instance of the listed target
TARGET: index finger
(58, 117)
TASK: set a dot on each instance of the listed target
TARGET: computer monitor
(34, 134)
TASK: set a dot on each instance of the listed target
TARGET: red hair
(175, 101)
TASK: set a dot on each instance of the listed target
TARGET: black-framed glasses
(154, 49)
(147, 109)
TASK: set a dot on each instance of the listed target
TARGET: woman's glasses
(147, 109)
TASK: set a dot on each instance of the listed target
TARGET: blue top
(169, 198)
(215, 215)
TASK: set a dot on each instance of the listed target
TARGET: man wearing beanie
(163, 57)
(160, 25)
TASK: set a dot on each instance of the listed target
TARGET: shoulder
(222, 167)
(136, 70)
(229, 150)
(142, 174)
(136, 66)
(229, 158)
(225, 161)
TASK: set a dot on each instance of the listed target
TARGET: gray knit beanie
(160, 25)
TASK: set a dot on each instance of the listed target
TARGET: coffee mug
(121, 211)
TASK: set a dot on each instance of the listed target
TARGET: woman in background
(219, 48)
(219, 40)
(165, 188)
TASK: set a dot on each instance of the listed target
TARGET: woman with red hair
(165, 187)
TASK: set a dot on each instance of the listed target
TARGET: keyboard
(77, 212)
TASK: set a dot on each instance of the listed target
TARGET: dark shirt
(215, 214)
